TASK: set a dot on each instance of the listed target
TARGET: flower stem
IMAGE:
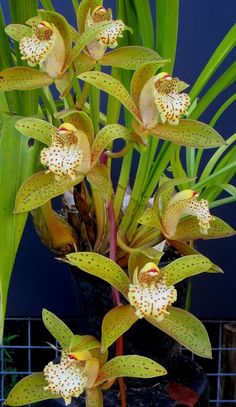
(115, 293)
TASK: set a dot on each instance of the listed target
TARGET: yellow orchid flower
(46, 47)
(160, 101)
(182, 204)
(69, 153)
(66, 379)
(149, 294)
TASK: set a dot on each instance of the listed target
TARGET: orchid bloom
(149, 294)
(83, 367)
(69, 153)
(46, 47)
(65, 379)
(160, 101)
(182, 204)
(107, 38)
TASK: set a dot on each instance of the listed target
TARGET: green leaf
(130, 366)
(100, 266)
(167, 13)
(185, 267)
(57, 328)
(94, 398)
(18, 31)
(189, 133)
(63, 27)
(35, 128)
(113, 87)
(80, 343)
(23, 78)
(188, 229)
(142, 75)
(115, 323)
(185, 329)
(105, 137)
(99, 178)
(29, 390)
(131, 57)
(40, 188)
(18, 161)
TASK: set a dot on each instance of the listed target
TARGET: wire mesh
(25, 350)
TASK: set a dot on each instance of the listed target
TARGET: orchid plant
(63, 142)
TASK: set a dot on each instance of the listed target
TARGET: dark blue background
(40, 281)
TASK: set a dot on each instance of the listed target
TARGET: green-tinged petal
(185, 267)
(23, 78)
(35, 128)
(115, 323)
(64, 83)
(88, 36)
(79, 119)
(189, 133)
(130, 366)
(185, 329)
(57, 328)
(99, 178)
(29, 390)
(188, 229)
(187, 250)
(131, 57)
(63, 27)
(105, 137)
(39, 188)
(113, 87)
(94, 398)
(140, 257)
(91, 372)
(100, 266)
(165, 192)
(142, 75)
(80, 343)
(83, 63)
(18, 31)
(83, 9)
(150, 219)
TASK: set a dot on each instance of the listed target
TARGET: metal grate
(27, 353)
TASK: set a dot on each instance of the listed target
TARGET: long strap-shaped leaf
(18, 161)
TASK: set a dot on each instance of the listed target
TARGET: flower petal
(29, 390)
(18, 31)
(36, 128)
(23, 78)
(130, 57)
(40, 188)
(185, 329)
(185, 267)
(188, 229)
(94, 398)
(99, 178)
(115, 323)
(130, 366)
(100, 266)
(57, 328)
(106, 136)
(113, 87)
(189, 133)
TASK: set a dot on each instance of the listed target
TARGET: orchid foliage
(64, 142)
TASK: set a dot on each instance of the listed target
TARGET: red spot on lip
(195, 193)
(72, 357)
(62, 129)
